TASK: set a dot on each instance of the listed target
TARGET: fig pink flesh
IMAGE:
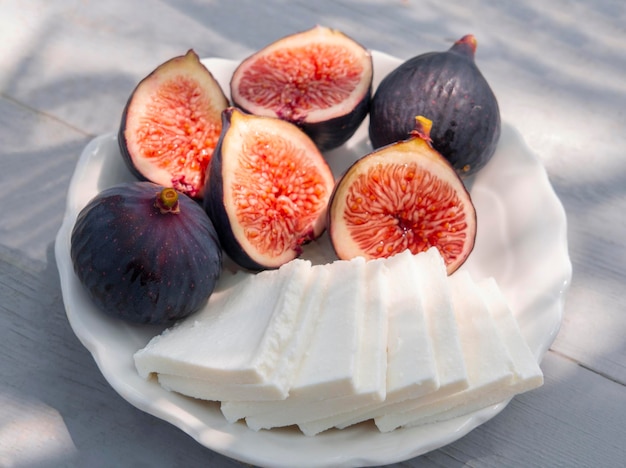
(405, 196)
(279, 194)
(171, 124)
(411, 209)
(174, 123)
(294, 81)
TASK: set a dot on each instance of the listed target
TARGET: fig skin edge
(213, 204)
(333, 133)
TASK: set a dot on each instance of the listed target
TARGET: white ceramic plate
(521, 241)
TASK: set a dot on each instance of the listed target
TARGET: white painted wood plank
(593, 331)
(56, 409)
(581, 424)
(37, 154)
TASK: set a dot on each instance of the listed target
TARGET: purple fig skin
(214, 205)
(333, 133)
(449, 89)
(145, 263)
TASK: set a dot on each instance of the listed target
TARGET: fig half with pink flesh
(403, 196)
(171, 124)
(267, 191)
(319, 79)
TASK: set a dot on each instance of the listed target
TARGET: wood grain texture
(66, 70)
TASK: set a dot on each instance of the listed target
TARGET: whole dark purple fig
(448, 89)
(145, 253)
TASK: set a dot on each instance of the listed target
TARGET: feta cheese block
(239, 337)
(308, 300)
(411, 366)
(435, 290)
(527, 373)
(217, 391)
(410, 357)
(489, 364)
(346, 361)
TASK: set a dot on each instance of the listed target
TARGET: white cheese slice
(411, 363)
(489, 364)
(329, 367)
(236, 339)
(371, 376)
(371, 361)
(436, 292)
(302, 295)
(528, 374)
(217, 391)
(346, 363)
(411, 366)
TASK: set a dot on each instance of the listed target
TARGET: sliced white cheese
(371, 370)
(527, 373)
(411, 366)
(489, 364)
(411, 362)
(303, 297)
(329, 367)
(371, 362)
(369, 382)
(346, 363)
(217, 391)
(237, 338)
(436, 293)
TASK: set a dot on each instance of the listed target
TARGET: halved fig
(403, 196)
(146, 253)
(448, 88)
(319, 79)
(268, 190)
(171, 124)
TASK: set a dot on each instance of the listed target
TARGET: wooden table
(66, 70)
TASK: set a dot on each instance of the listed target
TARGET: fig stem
(422, 128)
(466, 45)
(167, 201)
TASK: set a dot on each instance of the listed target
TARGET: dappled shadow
(385, 26)
(47, 364)
(52, 109)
